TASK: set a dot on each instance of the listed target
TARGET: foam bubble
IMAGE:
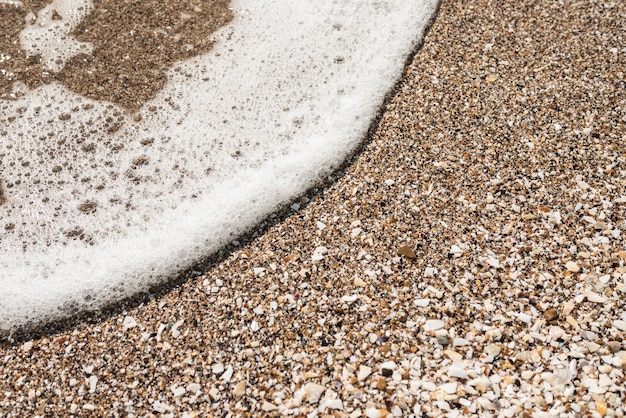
(48, 34)
(101, 203)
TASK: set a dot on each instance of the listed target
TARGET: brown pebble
(614, 346)
(407, 251)
(551, 315)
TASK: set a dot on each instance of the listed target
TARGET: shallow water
(102, 200)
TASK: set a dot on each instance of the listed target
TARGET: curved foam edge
(289, 91)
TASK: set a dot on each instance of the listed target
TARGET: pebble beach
(469, 260)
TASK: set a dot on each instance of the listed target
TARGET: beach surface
(469, 260)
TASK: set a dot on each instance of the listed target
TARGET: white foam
(286, 94)
(49, 37)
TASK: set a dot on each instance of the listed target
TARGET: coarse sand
(134, 43)
(469, 260)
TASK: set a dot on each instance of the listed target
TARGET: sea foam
(101, 203)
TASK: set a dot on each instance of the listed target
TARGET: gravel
(469, 261)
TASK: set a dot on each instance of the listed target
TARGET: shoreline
(468, 259)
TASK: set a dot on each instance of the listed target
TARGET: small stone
(268, 407)
(619, 325)
(240, 389)
(161, 407)
(457, 372)
(600, 226)
(568, 307)
(551, 315)
(429, 386)
(319, 253)
(380, 383)
(453, 355)
(214, 394)
(434, 324)
(27, 346)
(407, 251)
(355, 232)
(350, 298)
(456, 251)
(93, 381)
(313, 392)
(193, 387)
(336, 404)
(493, 350)
(422, 303)
(601, 407)
(387, 368)
(592, 347)
(572, 267)
(460, 342)
(364, 372)
(614, 346)
(359, 282)
(218, 368)
(443, 339)
(493, 262)
(594, 297)
(178, 391)
(524, 317)
(449, 388)
(228, 374)
(129, 322)
(375, 413)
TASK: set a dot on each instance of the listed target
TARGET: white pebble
(422, 303)
(349, 298)
(129, 322)
(459, 342)
(434, 324)
(218, 368)
(372, 413)
(331, 404)
(449, 388)
(178, 391)
(388, 365)
(456, 251)
(364, 372)
(493, 262)
(193, 387)
(429, 386)
(228, 374)
(572, 266)
(524, 317)
(313, 392)
(355, 232)
(457, 372)
(268, 407)
(93, 381)
(319, 253)
(619, 325)
(594, 297)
